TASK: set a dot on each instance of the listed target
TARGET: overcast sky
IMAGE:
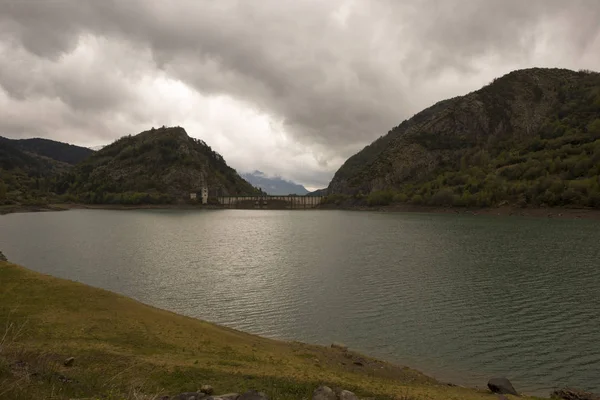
(287, 87)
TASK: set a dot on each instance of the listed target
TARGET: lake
(461, 298)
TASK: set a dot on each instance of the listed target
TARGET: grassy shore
(125, 349)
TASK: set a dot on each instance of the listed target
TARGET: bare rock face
(502, 386)
(324, 393)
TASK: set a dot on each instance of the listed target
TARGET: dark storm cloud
(337, 73)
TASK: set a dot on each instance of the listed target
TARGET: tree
(3, 190)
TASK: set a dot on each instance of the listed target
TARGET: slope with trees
(530, 138)
(156, 166)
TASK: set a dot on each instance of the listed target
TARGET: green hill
(26, 177)
(156, 166)
(529, 138)
(59, 151)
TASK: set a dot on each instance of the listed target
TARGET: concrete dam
(270, 202)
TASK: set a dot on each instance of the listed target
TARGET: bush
(400, 198)
(380, 198)
(335, 198)
(417, 199)
(444, 197)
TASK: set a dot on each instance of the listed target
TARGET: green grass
(128, 350)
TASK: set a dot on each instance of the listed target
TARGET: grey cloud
(335, 86)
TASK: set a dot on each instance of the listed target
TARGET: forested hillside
(26, 178)
(156, 166)
(59, 151)
(530, 138)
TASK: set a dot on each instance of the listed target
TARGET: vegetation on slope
(156, 166)
(124, 349)
(59, 151)
(530, 138)
(26, 178)
(159, 166)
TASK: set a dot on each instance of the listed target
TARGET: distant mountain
(531, 137)
(319, 192)
(26, 177)
(156, 166)
(99, 147)
(275, 186)
(59, 151)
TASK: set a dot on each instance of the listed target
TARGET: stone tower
(204, 194)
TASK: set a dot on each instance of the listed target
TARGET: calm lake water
(462, 298)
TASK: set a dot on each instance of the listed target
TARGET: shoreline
(335, 365)
(336, 359)
(502, 211)
(4, 210)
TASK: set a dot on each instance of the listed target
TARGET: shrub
(335, 198)
(400, 198)
(380, 198)
(444, 197)
(417, 199)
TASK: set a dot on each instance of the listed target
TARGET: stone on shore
(228, 396)
(253, 395)
(190, 396)
(573, 394)
(347, 395)
(207, 389)
(324, 393)
(502, 385)
(69, 362)
(339, 346)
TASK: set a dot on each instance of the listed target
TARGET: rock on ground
(339, 346)
(190, 396)
(2, 257)
(347, 395)
(324, 393)
(69, 362)
(502, 385)
(574, 394)
(253, 395)
(228, 396)
(207, 389)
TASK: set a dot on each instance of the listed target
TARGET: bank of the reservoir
(504, 211)
(126, 349)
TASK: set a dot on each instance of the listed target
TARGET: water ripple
(462, 298)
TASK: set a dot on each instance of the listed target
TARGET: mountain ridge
(513, 141)
(160, 165)
(27, 177)
(56, 150)
(274, 185)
